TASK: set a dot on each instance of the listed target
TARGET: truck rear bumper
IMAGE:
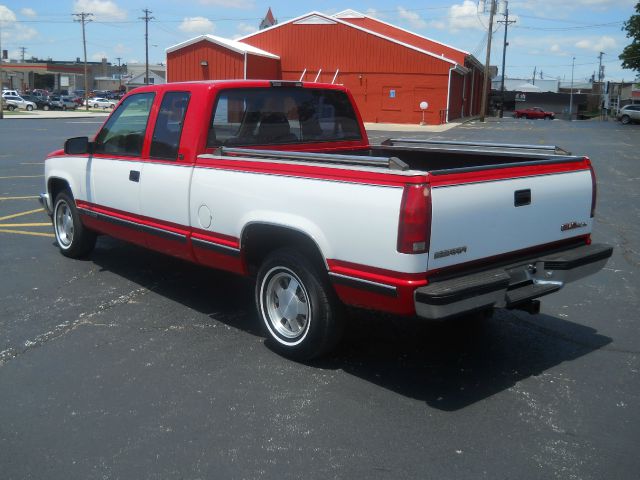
(510, 286)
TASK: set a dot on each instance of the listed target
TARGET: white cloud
(120, 48)
(241, 4)
(21, 33)
(601, 44)
(464, 16)
(412, 18)
(196, 25)
(28, 12)
(243, 29)
(6, 16)
(372, 12)
(98, 56)
(101, 9)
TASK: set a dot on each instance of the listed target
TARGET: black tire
(73, 239)
(64, 107)
(96, 106)
(317, 326)
(11, 108)
(45, 107)
(29, 108)
(625, 120)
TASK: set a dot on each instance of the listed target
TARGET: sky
(546, 36)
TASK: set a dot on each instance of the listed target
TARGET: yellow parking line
(18, 198)
(22, 176)
(9, 217)
(22, 232)
(3, 225)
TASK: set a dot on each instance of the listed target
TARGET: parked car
(534, 112)
(629, 114)
(15, 102)
(41, 102)
(6, 92)
(62, 103)
(100, 102)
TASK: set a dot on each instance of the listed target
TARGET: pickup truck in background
(277, 180)
(533, 113)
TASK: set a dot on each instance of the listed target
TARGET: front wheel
(45, 107)
(299, 310)
(73, 239)
(29, 108)
(625, 120)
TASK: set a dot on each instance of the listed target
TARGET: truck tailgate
(504, 210)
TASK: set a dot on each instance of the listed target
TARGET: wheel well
(259, 240)
(56, 185)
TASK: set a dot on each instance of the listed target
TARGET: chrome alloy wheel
(286, 304)
(64, 224)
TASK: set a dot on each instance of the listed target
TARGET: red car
(534, 112)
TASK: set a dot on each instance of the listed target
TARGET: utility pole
(506, 22)
(83, 18)
(600, 80)
(22, 50)
(119, 74)
(146, 19)
(485, 83)
(573, 62)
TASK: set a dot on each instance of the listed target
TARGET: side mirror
(77, 146)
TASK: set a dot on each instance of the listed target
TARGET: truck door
(165, 183)
(115, 168)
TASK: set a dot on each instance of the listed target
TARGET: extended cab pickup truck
(277, 180)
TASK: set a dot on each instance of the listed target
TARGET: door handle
(134, 175)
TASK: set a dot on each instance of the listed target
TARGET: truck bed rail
(478, 145)
(392, 163)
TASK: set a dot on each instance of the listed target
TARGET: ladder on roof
(335, 76)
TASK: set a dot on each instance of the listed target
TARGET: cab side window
(123, 134)
(168, 128)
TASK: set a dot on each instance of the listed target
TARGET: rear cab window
(283, 115)
(168, 128)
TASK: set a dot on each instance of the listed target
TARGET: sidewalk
(39, 114)
(401, 127)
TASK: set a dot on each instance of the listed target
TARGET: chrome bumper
(511, 286)
(45, 201)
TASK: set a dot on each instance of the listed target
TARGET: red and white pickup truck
(277, 180)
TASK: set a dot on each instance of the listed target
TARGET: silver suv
(629, 114)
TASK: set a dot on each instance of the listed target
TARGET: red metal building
(208, 57)
(389, 70)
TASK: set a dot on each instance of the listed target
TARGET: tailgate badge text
(449, 252)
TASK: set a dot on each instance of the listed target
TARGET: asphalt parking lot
(132, 365)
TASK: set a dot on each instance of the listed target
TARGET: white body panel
(482, 216)
(73, 170)
(351, 222)
(164, 192)
(111, 186)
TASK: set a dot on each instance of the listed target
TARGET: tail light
(414, 227)
(594, 189)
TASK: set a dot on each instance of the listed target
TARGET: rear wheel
(45, 107)
(625, 120)
(300, 313)
(74, 240)
(29, 108)
(11, 108)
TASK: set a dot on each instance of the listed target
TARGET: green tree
(630, 56)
